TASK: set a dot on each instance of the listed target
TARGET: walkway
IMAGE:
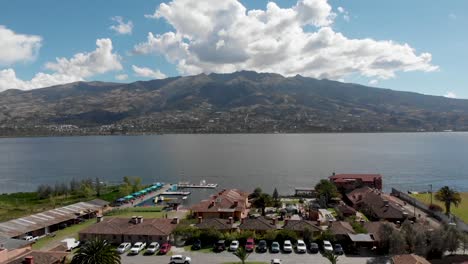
(146, 197)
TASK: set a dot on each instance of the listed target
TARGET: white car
(301, 247)
(179, 259)
(327, 246)
(287, 246)
(71, 243)
(122, 248)
(137, 247)
(276, 261)
(234, 245)
(152, 248)
(31, 238)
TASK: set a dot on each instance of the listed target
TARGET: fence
(462, 226)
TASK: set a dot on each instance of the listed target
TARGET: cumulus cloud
(16, 47)
(373, 82)
(450, 95)
(122, 27)
(121, 77)
(77, 68)
(147, 72)
(223, 36)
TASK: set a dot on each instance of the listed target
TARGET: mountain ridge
(236, 102)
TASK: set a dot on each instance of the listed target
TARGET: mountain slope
(237, 102)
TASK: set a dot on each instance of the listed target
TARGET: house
(408, 259)
(52, 220)
(40, 257)
(348, 182)
(375, 205)
(219, 224)
(300, 226)
(12, 248)
(136, 229)
(259, 224)
(227, 203)
(345, 210)
(375, 228)
(341, 229)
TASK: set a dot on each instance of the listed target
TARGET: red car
(165, 248)
(250, 245)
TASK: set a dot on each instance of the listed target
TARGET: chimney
(29, 260)
(140, 219)
(134, 220)
(99, 218)
(200, 219)
(175, 220)
(231, 220)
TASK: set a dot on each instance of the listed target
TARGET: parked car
(31, 238)
(287, 246)
(276, 261)
(275, 247)
(301, 247)
(71, 243)
(152, 248)
(327, 246)
(250, 245)
(137, 247)
(220, 246)
(196, 245)
(234, 245)
(314, 248)
(179, 259)
(262, 246)
(165, 248)
(122, 248)
(338, 249)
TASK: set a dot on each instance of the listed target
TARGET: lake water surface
(409, 161)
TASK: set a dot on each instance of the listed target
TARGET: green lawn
(69, 232)
(460, 211)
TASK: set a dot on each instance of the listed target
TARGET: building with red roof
(347, 182)
(227, 203)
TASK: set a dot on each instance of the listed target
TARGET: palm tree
(242, 254)
(331, 257)
(96, 251)
(448, 197)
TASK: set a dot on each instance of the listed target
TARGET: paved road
(217, 258)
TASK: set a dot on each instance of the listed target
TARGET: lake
(408, 161)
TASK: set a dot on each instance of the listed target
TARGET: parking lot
(223, 257)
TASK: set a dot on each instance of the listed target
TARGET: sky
(417, 45)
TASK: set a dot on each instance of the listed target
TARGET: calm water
(407, 161)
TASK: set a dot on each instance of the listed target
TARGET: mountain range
(225, 103)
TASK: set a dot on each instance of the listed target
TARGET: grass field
(460, 211)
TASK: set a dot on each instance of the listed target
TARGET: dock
(146, 197)
(202, 185)
(175, 193)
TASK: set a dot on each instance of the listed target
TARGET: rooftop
(34, 222)
(214, 223)
(149, 226)
(301, 225)
(409, 259)
(41, 257)
(363, 177)
(224, 201)
(260, 224)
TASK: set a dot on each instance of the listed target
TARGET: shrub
(435, 208)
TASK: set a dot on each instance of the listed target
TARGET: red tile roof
(116, 226)
(409, 259)
(227, 200)
(341, 228)
(363, 177)
(257, 224)
(301, 226)
(41, 257)
(214, 223)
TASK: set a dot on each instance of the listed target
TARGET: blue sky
(67, 28)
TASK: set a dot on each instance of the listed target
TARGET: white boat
(202, 184)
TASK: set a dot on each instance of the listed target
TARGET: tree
(448, 197)
(327, 190)
(74, 186)
(396, 243)
(44, 191)
(241, 254)
(275, 197)
(96, 251)
(98, 187)
(437, 246)
(256, 193)
(332, 257)
(262, 201)
(452, 239)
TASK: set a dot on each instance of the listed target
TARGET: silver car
(123, 247)
(152, 248)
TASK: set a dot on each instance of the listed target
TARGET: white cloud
(373, 82)
(78, 68)
(223, 36)
(121, 77)
(17, 47)
(122, 27)
(452, 16)
(450, 95)
(148, 73)
(344, 12)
